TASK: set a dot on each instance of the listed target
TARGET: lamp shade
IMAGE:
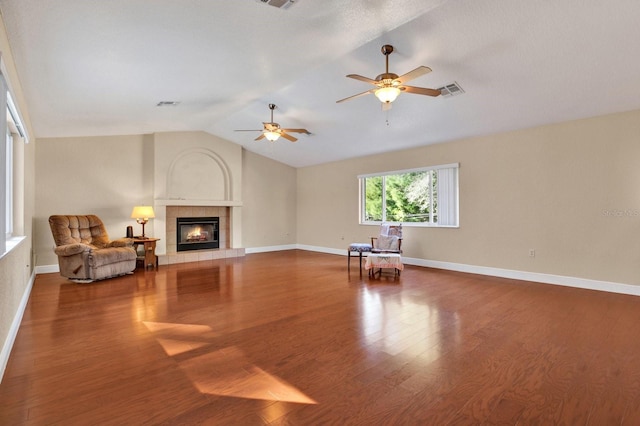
(142, 212)
(272, 136)
(387, 94)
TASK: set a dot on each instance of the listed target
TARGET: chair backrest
(73, 229)
(390, 238)
(391, 230)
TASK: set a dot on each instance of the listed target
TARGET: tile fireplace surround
(173, 256)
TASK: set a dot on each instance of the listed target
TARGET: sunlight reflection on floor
(228, 372)
(177, 329)
(176, 347)
(225, 372)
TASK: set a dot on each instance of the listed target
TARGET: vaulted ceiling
(91, 68)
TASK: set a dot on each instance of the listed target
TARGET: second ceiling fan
(272, 131)
(390, 85)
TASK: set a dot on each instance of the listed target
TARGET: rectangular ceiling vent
(452, 89)
(280, 4)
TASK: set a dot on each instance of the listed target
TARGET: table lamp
(142, 214)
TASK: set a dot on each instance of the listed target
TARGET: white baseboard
(15, 325)
(562, 280)
(322, 249)
(47, 269)
(270, 248)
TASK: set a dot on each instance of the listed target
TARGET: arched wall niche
(199, 174)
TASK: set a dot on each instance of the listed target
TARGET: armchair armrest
(121, 242)
(71, 249)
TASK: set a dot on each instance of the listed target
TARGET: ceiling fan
(272, 131)
(390, 85)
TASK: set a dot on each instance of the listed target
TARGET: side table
(150, 259)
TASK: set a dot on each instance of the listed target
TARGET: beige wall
(269, 207)
(105, 176)
(570, 191)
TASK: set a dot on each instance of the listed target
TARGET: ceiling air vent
(280, 4)
(452, 89)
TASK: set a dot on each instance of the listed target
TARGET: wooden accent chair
(85, 253)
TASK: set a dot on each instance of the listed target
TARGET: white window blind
(448, 197)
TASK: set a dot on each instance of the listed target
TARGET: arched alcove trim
(224, 168)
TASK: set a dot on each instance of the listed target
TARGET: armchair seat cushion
(107, 256)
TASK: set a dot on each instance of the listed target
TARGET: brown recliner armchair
(85, 253)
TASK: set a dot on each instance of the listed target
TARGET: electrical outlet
(532, 253)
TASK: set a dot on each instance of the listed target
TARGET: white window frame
(447, 196)
(11, 188)
(9, 182)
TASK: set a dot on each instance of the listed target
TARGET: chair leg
(348, 259)
(360, 263)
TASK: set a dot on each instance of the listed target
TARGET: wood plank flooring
(293, 338)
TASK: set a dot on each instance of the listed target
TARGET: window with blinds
(425, 196)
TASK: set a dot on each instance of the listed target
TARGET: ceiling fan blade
(288, 137)
(297, 131)
(421, 70)
(356, 96)
(421, 90)
(362, 78)
(259, 137)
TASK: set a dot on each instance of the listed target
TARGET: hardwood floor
(291, 338)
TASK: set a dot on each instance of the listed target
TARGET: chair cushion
(98, 258)
(360, 247)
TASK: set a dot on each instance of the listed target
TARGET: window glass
(373, 199)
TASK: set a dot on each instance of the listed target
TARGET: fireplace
(197, 233)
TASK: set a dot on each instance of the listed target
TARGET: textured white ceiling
(100, 67)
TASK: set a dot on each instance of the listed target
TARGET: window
(11, 167)
(425, 196)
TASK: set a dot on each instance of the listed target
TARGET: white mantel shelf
(206, 203)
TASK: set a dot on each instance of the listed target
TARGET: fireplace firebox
(197, 233)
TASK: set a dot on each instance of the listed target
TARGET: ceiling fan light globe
(387, 94)
(272, 136)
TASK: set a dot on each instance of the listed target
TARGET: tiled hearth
(173, 256)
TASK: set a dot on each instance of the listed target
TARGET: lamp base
(143, 222)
